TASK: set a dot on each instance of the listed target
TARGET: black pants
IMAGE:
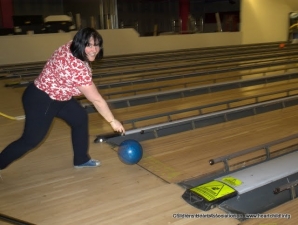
(40, 111)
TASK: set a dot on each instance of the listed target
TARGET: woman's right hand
(117, 126)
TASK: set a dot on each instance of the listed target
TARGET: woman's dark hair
(81, 40)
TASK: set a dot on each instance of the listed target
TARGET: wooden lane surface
(183, 82)
(140, 75)
(186, 155)
(205, 59)
(161, 107)
(133, 76)
(178, 157)
(136, 75)
(189, 82)
(99, 126)
(180, 83)
(40, 191)
(43, 187)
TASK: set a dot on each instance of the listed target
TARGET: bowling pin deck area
(44, 188)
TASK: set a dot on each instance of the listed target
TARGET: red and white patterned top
(62, 74)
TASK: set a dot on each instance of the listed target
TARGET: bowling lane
(99, 126)
(186, 155)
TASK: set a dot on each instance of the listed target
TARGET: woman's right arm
(92, 94)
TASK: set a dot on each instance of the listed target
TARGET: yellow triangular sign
(213, 190)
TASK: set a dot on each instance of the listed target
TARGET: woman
(66, 74)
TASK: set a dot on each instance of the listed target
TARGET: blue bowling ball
(130, 152)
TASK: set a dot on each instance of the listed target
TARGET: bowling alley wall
(260, 21)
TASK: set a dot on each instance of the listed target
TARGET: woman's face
(92, 49)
